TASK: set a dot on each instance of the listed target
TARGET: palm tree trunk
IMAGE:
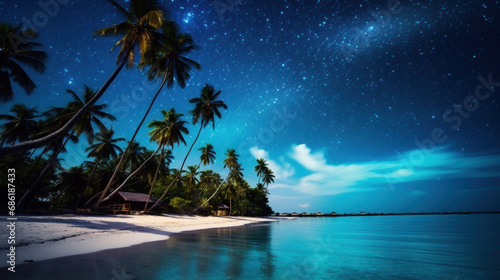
(154, 180)
(206, 201)
(118, 166)
(180, 170)
(92, 198)
(230, 207)
(32, 153)
(133, 173)
(21, 203)
(61, 132)
(82, 194)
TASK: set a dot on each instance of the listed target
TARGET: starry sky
(376, 106)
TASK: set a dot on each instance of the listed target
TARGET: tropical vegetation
(33, 140)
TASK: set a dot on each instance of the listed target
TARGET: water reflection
(225, 253)
(220, 253)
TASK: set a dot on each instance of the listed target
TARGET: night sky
(375, 106)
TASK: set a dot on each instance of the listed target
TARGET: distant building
(362, 213)
(319, 214)
(334, 214)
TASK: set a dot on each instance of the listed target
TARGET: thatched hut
(222, 210)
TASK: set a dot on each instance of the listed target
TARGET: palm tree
(73, 178)
(231, 160)
(205, 110)
(268, 177)
(166, 132)
(191, 180)
(83, 125)
(167, 60)
(143, 19)
(15, 49)
(207, 154)
(232, 190)
(208, 178)
(164, 161)
(92, 116)
(20, 126)
(261, 167)
(105, 148)
(134, 156)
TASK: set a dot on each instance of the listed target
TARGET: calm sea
(455, 247)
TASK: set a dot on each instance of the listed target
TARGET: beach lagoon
(453, 247)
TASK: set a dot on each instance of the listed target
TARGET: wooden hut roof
(135, 197)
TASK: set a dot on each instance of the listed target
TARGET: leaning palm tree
(105, 148)
(134, 156)
(73, 179)
(207, 155)
(167, 59)
(82, 126)
(92, 116)
(268, 177)
(20, 126)
(260, 168)
(232, 189)
(208, 179)
(231, 161)
(206, 107)
(143, 20)
(164, 161)
(166, 132)
(15, 49)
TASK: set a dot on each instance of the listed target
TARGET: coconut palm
(134, 156)
(105, 148)
(82, 126)
(74, 179)
(234, 180)
(191, 178)
(20, 126)
(143, 20)
(92, 116)
(268, 177)
(208, 179)
(167, 60)
(164, 160)
(231, 160)
(166, 132)
(205, 110)
(207, 154)
(260, 168)
(15, 49)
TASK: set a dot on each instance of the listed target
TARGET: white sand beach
(46, 237)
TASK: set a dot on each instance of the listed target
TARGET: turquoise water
(453, 247)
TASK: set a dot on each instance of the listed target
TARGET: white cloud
(305, 205)
(328, 179)
(281, 171)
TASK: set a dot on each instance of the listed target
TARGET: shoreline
(41, 238)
